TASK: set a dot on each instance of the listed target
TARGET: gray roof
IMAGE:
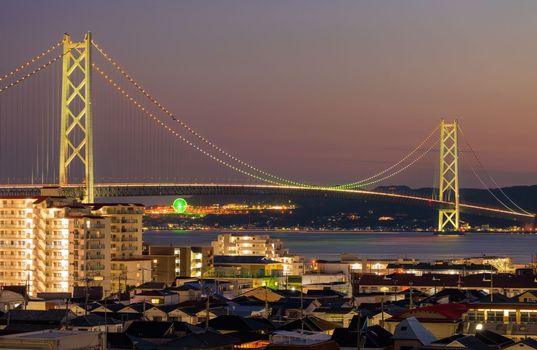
(91, 320)
(152, 285)
(470, 342)
(411, 329)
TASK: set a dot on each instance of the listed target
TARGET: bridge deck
(174, 189)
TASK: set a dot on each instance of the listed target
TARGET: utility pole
(411, 306)
(207, 313)
(86, 280)
(491, 289)
(359, 333)
(382, 309)
(105, 323)
(301, 306)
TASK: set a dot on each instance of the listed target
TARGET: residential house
(156, 297)
(442, 320)
(410, 334)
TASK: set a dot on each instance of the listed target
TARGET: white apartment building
(258, 245)
(89, 250)
(125, 242)
(51, 244)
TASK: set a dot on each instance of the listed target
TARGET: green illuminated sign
(179, 205)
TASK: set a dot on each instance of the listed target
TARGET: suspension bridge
(53, 125)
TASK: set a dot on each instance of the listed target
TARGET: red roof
(451, 312)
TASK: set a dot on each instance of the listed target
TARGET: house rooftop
(254, 260)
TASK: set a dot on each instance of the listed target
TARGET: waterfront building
(419, 269)
(500, 263)
(350, 263)
(258, 245)
(353, 264)
(504, 283)
(53, 244)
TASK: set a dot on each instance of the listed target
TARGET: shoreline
(307, 231)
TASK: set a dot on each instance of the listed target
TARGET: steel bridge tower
(76, 135)
(448, 219)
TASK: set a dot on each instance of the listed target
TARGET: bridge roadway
(178, 189)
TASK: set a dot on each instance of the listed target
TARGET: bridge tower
(76, 135)
(448, 218)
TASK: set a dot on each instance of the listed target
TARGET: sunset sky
(339, 89)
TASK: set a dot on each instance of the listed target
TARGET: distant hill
(334, 213)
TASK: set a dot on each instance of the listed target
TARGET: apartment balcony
(95, 246)
(57, 247)
(94, 256)
(56, 279)
(129, 239)
(16, 236)
(16, 226)
(13, 247)
(94, 268)
(14, 206)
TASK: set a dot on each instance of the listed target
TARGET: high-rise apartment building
(125, 242)
(51, 244)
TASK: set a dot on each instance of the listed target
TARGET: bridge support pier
(449, 219)
(76, 135)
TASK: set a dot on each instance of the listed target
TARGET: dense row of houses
(195, 313)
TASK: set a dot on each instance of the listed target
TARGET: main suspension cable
(175, 133)
(28, 75)
(364, 182)
(360, 183)
(32, 60)
(186, 126)
(425, 152)
(480, 179)
(490, 176)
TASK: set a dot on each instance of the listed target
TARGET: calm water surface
(421, 245)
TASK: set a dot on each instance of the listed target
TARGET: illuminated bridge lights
(166, 189)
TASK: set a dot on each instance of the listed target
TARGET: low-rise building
(258, 245)
(127, 272)
(442, 320)
(504, 283)
(512, 319)
(54, 340)
(186, 261)
(258, 267)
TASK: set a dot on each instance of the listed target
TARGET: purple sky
(323, 90)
